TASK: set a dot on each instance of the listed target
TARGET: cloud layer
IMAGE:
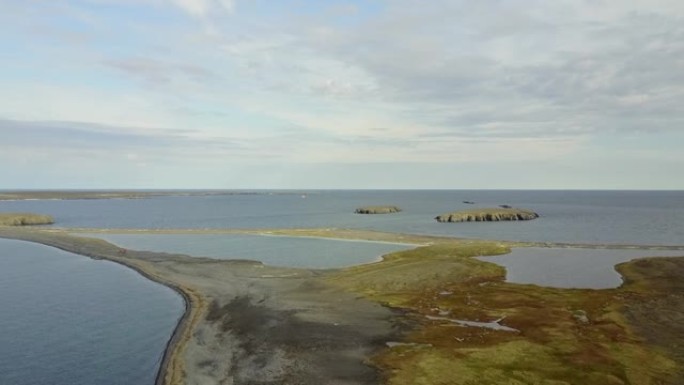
(239, 84)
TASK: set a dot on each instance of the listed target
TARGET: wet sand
(249, 323)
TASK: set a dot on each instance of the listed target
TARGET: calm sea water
(69, 320)
(633, 217)
(569, 267)
(272, 250)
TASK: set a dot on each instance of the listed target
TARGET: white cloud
(455, 81)
(202, 8)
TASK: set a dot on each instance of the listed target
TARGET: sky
(362, 94)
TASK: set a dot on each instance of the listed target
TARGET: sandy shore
(249, 323)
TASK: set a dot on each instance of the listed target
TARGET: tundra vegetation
(488, 215)
(24, 219)
(628, 335)
(377, 210)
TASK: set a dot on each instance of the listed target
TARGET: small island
(24, 219)
(488, 215)
(377, 210)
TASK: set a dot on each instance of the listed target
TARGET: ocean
(570, 267)
(626, 217)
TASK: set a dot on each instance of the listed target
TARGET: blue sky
(519, 94)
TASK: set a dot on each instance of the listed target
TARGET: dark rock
(377, 210)
(488, 215)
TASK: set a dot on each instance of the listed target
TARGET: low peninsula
(417, 317)
(377, 210)
(488, 215)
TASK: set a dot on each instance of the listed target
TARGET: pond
(300, 252)
(570, 267)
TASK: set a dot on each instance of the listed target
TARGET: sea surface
(623, 217)
(70, 320)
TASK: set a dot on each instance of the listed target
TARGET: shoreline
(183, 326)
(173, 368)
(184, 323)
(317, 318)
(346, 234)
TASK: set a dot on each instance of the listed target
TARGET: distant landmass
(124, 194)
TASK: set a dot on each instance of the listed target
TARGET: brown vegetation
(488, 215)
(24, 219)
(377, 210)
(629, 335)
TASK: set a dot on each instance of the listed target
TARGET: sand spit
(365, 235)
(246, 323)
(488, 215)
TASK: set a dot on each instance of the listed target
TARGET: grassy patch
(401, 275)
(24, 219)
(488, 215)
(566, 336)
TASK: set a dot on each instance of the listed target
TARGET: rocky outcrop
(24, 219)
(377, 210)
(488, 215)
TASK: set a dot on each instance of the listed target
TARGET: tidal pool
(314, 253)
(570, 267)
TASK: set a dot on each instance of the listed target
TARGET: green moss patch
(564, 336)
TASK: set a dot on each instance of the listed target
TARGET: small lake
(570, 267)
(301, 252)
(68, 319)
